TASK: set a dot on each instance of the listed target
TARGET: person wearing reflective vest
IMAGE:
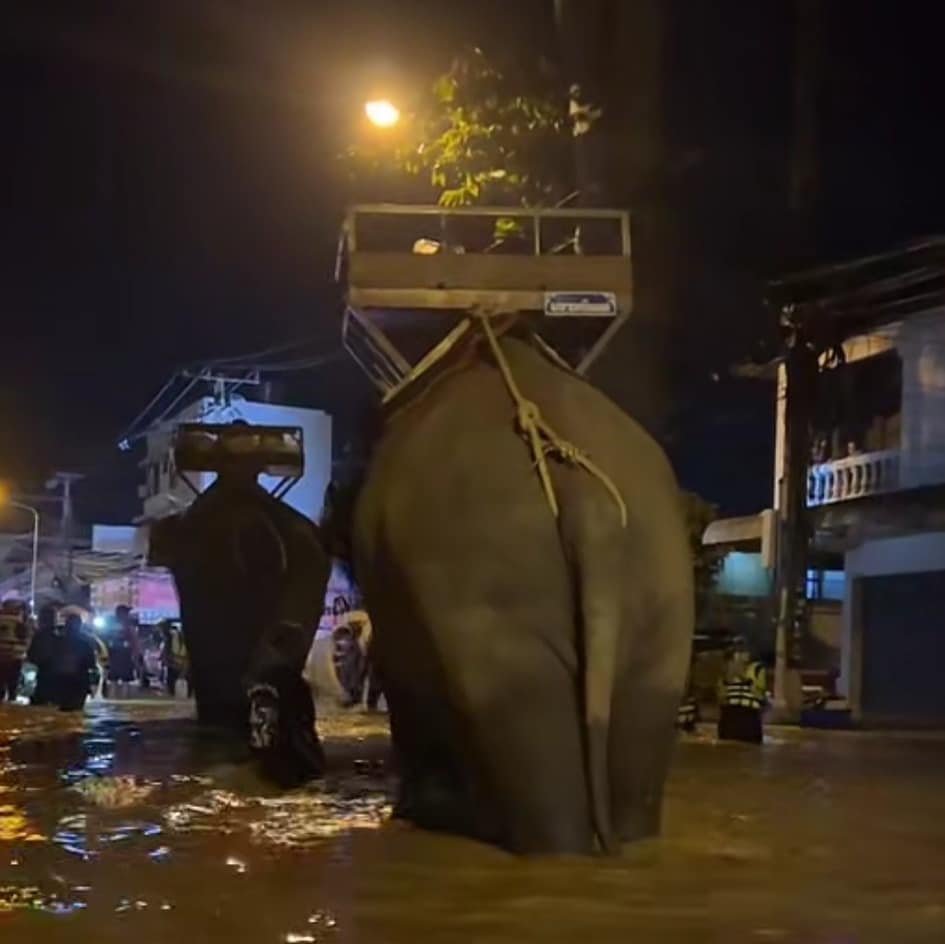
(175, 657)
(14, 643)
(101, 660)
(688, 712)
(743, 694)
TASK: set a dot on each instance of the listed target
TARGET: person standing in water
(14, 643)
(42, 652)
(122, 652)
(73, 666)
(742, 696)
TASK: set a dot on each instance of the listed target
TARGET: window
(825, 584)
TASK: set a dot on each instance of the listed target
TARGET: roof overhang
(744, 530)
(747, 533)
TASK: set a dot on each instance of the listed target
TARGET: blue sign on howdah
(581, 304)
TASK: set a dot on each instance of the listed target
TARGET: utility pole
(579, 26)
(224, 385)
(794, 537)
(801, 368)
(65, 481)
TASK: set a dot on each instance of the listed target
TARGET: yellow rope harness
(544, 441)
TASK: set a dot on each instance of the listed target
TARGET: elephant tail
(600, 626)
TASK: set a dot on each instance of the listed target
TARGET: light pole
(35, 515)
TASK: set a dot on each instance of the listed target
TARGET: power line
(256, 357)
(289, 366)
(255, 361)
(151, 404)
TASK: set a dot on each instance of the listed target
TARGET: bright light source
(382, 113)
(99, 622)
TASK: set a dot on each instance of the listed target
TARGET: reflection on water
(15, 827)
(132, 824)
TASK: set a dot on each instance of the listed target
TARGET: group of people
(141, 656)
(72, 660)
(59, 648)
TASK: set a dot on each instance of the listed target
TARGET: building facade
(880, 510)
(872, 528)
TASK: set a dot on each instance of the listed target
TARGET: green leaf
(444, 88)
(506, 227)
(483, 133)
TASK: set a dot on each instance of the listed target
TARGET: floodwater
(128, 824)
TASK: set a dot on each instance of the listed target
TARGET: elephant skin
(251, 575)
(533, 667)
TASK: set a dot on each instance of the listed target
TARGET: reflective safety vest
(101, 649)
(14, 638)
(177, 655)
(687, 713)
(747, 691)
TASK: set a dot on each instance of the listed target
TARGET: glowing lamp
(382, 113)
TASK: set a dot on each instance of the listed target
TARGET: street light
(382, 113)
(14, 504)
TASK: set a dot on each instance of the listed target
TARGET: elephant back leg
(431, 792)
(520, 735)
(653, 661)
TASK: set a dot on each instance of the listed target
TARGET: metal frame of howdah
(403, 265)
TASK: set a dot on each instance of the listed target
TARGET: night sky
(171, 194)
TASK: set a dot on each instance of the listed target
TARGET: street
(129, 824)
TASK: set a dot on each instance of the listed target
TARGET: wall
(903, 555)
(743, 575)
(922, 348)
(150, 592)
(172, 494)
(823, 644)
(114, 538)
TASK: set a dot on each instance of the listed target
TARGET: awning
(757, 532)
(743, 530)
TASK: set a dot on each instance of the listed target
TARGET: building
(164, 492)
(861, 439)
(116, 574)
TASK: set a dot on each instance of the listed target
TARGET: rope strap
(542, 439)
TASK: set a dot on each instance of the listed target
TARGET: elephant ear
(258, 546)
(164, 540)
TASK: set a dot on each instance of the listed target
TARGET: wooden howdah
(400, 263)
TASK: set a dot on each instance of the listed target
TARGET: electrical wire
(124, 437)
(256, 357)
(254, 361)
(289, 366)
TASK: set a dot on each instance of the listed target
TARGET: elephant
(251, 574)
(533, 662)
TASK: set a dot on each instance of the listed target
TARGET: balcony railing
(871, 473)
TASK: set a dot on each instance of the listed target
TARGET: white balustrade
(870, 473)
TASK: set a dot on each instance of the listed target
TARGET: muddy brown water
(129, 824)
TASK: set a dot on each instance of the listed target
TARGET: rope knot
(527, 416)
(542, 439)
(569, 453)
